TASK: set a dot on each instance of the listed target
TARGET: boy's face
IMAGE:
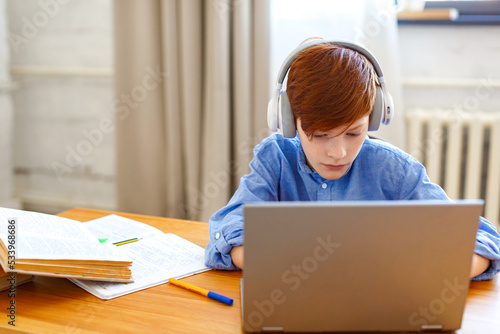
(331, 153)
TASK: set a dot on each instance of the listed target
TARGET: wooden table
(54, 305)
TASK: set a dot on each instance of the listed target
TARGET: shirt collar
(301, 157)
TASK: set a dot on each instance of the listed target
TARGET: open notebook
(156, 256)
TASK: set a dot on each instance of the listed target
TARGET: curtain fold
(187, 141)
(139, 107)
(216, 131)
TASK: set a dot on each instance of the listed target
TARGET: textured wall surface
(6, 113)
(466, 57)
(61, 58)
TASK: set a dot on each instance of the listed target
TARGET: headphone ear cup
(388, 108)
(272, 113)
(286, 118)
(376, 115)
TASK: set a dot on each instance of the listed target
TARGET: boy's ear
(286, 118)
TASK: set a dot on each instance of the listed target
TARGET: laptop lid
(357, 266)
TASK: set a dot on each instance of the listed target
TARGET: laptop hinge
(429, 328)
(272, 329)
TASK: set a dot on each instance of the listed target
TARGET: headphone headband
(298, 50)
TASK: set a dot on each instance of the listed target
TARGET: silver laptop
(357, 266)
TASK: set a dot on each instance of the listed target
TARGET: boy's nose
(336, 150)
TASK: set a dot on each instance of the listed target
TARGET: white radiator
(461, 152)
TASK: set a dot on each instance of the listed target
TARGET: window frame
(471, 12)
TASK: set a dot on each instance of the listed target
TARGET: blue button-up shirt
(279, 172)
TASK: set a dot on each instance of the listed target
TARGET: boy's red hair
(330, 86)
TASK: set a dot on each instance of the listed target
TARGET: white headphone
(279, 112)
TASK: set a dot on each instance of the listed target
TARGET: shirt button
(324, 186)
(217, 236)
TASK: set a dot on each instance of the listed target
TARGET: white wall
(61, 57)
(6, 180)
(451, 67)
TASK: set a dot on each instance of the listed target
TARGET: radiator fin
(461, 152)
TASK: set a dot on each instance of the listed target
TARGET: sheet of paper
(28, 246)
(43, 225)
(116, 228)
(44, 236)
(154, 261)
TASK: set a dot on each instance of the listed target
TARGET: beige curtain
(191, 96)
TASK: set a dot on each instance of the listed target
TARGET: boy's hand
(479, 265)
(237, 256)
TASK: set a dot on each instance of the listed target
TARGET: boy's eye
(353, 134)
(320, 135)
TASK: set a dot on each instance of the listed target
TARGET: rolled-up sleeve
(226, 231)
(488, 246)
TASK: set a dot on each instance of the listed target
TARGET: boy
(332, 90)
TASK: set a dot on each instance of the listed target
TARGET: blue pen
(203, 292)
